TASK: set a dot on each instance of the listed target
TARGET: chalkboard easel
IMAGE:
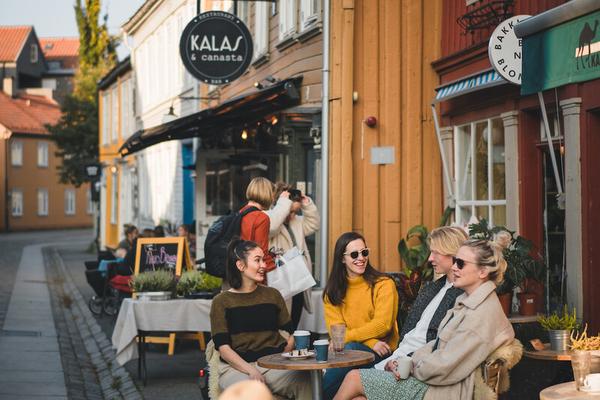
(170, 253)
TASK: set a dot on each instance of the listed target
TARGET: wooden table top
(549, 355)
(566, 391)
(350, 358)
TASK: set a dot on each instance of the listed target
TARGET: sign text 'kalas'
(216, 47)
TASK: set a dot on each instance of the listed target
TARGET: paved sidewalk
(30, 363)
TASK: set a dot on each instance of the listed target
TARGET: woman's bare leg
(351, 388)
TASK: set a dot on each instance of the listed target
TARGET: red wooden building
(499, 164)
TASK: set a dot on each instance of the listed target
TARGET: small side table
(566, 391)
(350, 358)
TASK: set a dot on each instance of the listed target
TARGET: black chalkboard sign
(162, 253)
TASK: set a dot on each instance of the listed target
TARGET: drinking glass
(338, 336)
(580, 361)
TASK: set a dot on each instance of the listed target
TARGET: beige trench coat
(302, 226)
(470, 332)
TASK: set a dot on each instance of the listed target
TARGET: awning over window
(472, 83)
(244, 109)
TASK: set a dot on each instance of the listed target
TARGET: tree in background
(76, 133)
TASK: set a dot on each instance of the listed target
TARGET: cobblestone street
(81, 348)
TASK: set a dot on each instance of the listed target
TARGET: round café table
(566, 391)
(350, 358)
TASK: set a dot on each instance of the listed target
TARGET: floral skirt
(382, 385)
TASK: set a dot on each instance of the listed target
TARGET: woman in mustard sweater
(363, 299)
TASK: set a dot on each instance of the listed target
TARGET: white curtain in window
(16, 153)
(309, 13)
(42, 195)
(16, 202)
(70, 201)
(261, 29)
(287, 18)
(42, 154)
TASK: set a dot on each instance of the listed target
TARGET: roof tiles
(28, 113)
(12, 39)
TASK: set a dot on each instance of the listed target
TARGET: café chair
(492, 376)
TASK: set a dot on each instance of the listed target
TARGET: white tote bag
(291, 276)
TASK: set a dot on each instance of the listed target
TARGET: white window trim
(460, 176)
(106, 118)
(42, 154)
(34, 53)
(42, 197)
(70, 202)
(287, 19)
(261, 29)
(114, 199)
(310, 13)
(16, 210)
(16, 153)
(114, 125)
(90, 204)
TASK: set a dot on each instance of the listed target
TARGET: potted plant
(198, 284)
(524, 270)
(580, 341)
(154, 285)
(559, 328)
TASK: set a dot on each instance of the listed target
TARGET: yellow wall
(383, 50)
(110, 157)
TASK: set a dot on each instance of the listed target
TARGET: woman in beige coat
(288, 230)
(445, 367)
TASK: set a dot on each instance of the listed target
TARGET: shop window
(42, 197)
(16, 153)
(42, 154)
(16, 200)
(309, 13)
(70, 201)
(480, 172)
(287, 19)
(261, 29)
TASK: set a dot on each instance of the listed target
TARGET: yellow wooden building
(381, 54)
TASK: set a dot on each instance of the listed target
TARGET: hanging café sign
(216, 47)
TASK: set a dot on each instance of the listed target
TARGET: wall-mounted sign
(216, 47)
(505, 49)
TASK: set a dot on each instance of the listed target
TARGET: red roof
(12, 39)
(60, 47)
(28, 113)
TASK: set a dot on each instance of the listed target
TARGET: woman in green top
(245, 324)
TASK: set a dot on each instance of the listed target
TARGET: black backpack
(217, 239)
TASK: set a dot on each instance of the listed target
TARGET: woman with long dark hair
(363, 299)
(245, 324)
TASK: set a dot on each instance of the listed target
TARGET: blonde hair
(260, 190)
(446, 240)
(489, 256)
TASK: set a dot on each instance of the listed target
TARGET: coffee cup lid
(301, 333)
(321, 341)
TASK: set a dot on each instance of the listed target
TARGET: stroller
(110, 284)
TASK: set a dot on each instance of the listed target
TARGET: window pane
(481, 161)
(463, 162)
(498, 161)
(482, 212)
(499, 215)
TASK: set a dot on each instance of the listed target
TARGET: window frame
(461, 178)
(89, 209)
(16, 193)
(42, 150)
(42, 206)
(70, 201)
(16, 146)
(106, 96)
(261, 30)
(114, 194)
(310, 14)
(114, 120)
(34, 53)
(287, 19)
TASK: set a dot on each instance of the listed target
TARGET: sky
(56, 18)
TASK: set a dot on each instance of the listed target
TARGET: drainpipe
(325, 147)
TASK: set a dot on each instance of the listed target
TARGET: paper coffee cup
(301, 340)
(403, 366)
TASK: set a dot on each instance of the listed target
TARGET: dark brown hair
(337, 284)
(238, 249)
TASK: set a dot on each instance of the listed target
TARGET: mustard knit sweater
(369, 317)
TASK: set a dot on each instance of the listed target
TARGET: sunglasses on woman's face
(460, 263)
(354, 254)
